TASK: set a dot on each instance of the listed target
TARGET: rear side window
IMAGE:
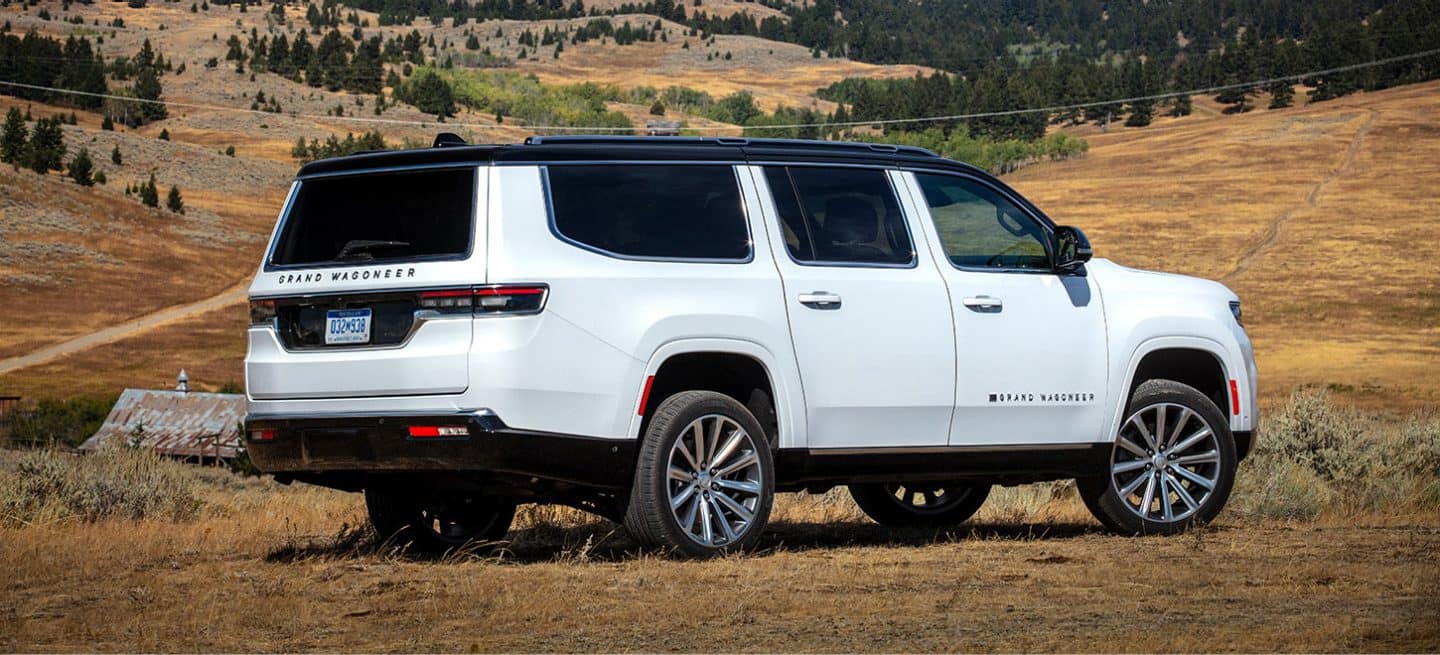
(663, 212)
(840, 215)
(416, 215)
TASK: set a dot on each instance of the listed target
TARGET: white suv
(668, 331)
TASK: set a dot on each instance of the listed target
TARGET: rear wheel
(435, 522)
(1172, 466)
(704, 479)
(911, 504)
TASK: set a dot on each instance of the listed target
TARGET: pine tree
(12, 142)
(82, 168)
(173, 201)
(107, 124)
(164, 134)
(46, 150)
(115, 157)
(147, 87)
(1282, 95)
(149, 194)
(657, 109)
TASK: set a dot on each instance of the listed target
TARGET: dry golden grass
(264, 570)
(1317, 216)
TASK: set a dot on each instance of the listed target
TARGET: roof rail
(727, 141)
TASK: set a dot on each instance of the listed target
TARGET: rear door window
(406, 216)
(691, 212)
(840, 215)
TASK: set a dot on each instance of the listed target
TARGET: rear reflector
(645, 395)
(1234, 398)
(262, 435)
(438, 431)
(262, 312)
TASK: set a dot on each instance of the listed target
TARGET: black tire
(1122, 514)
(649, 518)
(920, 504)
(434, 522)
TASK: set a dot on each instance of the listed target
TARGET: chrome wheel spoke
(1128, 444)
(707, 529)
(1185, 415)
(731, 445)
(685, 494)
(1193, 477)
(1144, 432)
(1132, 465)
(745, 486)
(1165, 510)
(681, 475)
(741, 512)
(697, 433)
(1148, 497)
(721, 521)
(1184, 495)
(1133, 485)
(1210, 457)
(748, 459)
(691, 514)
(1191, 440)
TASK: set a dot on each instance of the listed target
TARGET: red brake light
(437, 431)
(262, 435)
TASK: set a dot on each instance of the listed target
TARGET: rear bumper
(310, 444)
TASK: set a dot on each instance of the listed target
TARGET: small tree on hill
(46, 150)
(164, 134)
(1282, 95)
(107, 123)
(12, 142)
(82, 169)
(149, 195)
(657, 109)
(115, 157)
(1238, 98)
(173, 201)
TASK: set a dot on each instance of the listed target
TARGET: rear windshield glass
(671, 212)
(381, 217)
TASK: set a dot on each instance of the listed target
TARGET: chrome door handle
(983, 303)
(820, 300)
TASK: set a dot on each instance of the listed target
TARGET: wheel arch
(1200, 363)
(738, 369)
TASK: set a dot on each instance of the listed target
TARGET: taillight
(262, 435)
(262, 312)
(438, 431)
(495, 299)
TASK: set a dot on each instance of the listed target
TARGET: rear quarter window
(691, 212)
(416, 215)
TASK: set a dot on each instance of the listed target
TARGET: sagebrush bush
(1312, 455)
(123, 483)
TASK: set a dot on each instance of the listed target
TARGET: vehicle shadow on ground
(604, 541)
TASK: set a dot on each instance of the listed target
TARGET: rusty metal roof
(174, 423)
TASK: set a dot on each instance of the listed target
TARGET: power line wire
(888, 121)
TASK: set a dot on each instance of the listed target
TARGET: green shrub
(1312, 455)
(126, 483)
(57, 422)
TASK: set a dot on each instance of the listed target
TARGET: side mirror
(1072, 249)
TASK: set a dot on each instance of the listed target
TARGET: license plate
(344, 326)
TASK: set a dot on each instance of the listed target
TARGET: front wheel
(913, 504)
(704, 479)
(1172, 466)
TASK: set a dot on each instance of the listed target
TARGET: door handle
(820, 300)
(983, 303)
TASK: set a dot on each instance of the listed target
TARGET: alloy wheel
(1166, 462)
(714, 480)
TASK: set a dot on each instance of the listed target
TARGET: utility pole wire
(715, 128)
